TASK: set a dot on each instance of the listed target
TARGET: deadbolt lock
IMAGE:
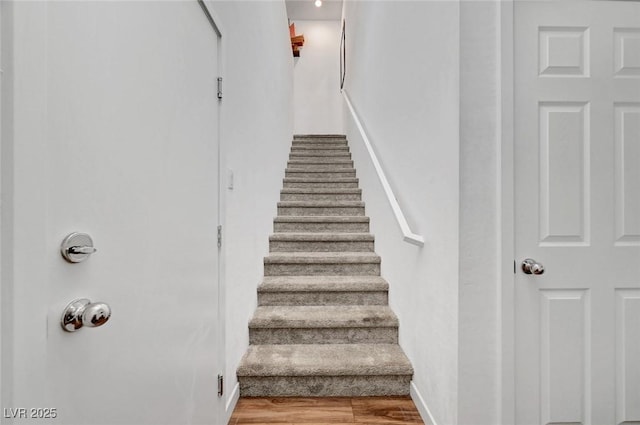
(77, 247)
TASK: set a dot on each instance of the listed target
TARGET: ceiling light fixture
(318, 3)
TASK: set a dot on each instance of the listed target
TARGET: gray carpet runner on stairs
(323, 326)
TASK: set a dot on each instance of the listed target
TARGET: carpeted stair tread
(318, 190)
(321, 171)
(323, 283)
(326, 179)
(321, 237)
(358, 316)
(320, 156)
(320, 180)
(313, 160)
(329, 158)
(321, 208)
(298, 162)
(344, 263)
(321, 257)
(324, 360)
(319, 143)
(319, 136)
(319, 140)
(323, 290)
(321, 242)
(323, 194)
(339, 168)
(321, 166)
(322, 219)
(333, 204)
(321, 224)
(319, 148)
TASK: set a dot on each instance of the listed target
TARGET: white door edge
(507, 211)
(227, 397)
(3, 377)
(224, 413)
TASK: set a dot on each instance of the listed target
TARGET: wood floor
(325, 410)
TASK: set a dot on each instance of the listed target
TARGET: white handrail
(408, 235)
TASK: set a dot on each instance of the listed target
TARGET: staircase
(323, 326)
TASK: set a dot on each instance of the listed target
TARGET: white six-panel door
(577, 148)
(114, 121)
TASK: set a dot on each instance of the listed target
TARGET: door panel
(627, 349)
(129, 117)
(577, 92)
(627, 178)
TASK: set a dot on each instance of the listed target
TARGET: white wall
(480, 221)
(450, 319)
(257, 126)
(403, 79)
(316, 73)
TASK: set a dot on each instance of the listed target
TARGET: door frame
(208, 8)
(507, 211)
(228, 397)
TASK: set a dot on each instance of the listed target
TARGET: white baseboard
(425, 413)
(231, 403)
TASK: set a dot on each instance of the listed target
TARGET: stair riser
(322, 298)
(328, 157)
(320, 211)
(320, 197)
(318, 246)
(324, 336)
(325, 386)
(321, 227)
(320, 175)
(315, 269)
(319, 185)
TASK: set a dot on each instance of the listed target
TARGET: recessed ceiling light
(318, 3)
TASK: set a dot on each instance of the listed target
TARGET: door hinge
(514, 266)
(219, 87)
(220, 385)
(220, 236)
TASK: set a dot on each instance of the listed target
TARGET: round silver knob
(82, 312)
(530, 266)
(96, 314)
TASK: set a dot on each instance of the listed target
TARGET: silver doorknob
(530, 266)
(82, 312)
